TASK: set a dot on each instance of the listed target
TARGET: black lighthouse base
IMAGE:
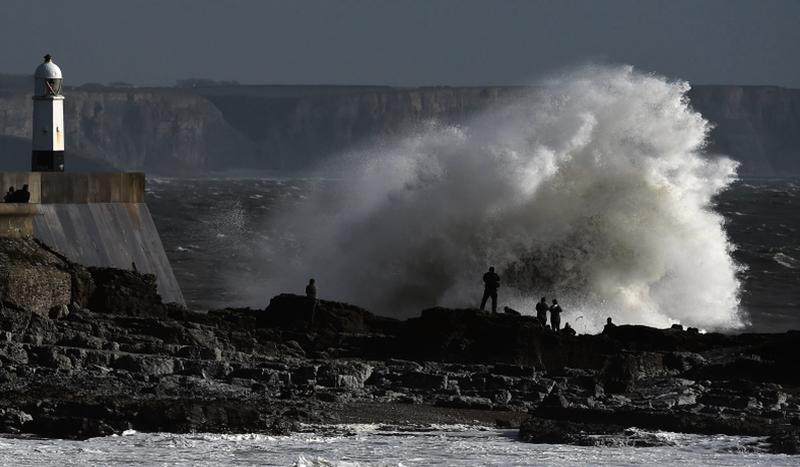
(47, 161)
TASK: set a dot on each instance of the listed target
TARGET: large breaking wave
(593, 189)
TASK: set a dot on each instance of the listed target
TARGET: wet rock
(502, 397)
(59, 312)
(785, 441)
(13, 353)
(69, 427)
(305, 374)
(344, 374)
(555, 399)
(146, 365)
(125, 292)
(683, 361)
(465, 402)
(137, 363)
(420, 380)
(12, 420)
(51, 357)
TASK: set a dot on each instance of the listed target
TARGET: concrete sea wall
(98, 219)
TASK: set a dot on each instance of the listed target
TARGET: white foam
(462, 448)
(786, 261)
(599, 180)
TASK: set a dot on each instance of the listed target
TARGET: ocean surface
(362, 445)
(219, 233)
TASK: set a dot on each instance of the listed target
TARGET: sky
(401, 42)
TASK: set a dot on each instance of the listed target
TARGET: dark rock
(786, 441)
(59, 312)
(294, 312)
(125, 292)
(556, 400)
(344, 374)
(134, 362)
(420, 380)
(145, 365)
(69, 427)
(465, 402)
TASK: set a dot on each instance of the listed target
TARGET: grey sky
(401, 42)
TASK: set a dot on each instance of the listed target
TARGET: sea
(219, 234)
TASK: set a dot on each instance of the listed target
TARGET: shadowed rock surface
(116, 358)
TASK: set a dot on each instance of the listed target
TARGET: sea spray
(593, 189)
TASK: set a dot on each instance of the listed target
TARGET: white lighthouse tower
(48, 118)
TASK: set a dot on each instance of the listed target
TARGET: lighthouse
(48, 118)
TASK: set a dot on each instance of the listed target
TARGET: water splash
(594, 189)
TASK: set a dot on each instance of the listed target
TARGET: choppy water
(211, 229)
(369, 445)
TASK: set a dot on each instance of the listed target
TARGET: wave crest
(594, 189)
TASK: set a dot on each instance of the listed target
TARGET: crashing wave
(594, 189)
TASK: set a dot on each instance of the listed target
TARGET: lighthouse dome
(47, 70)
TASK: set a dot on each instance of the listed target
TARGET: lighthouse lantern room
(48, 118)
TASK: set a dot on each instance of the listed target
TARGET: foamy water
(369, 446)
(595, 189)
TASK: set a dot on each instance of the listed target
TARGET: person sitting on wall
(9, 197)
(24, 196)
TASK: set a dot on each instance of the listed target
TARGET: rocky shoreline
(90, 351)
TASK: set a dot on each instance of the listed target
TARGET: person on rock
(555, 315)
(541, 311)
(311, 289)
(568, 330)
(311, 293)
(609, 326)
(491, 283)
(9, 197)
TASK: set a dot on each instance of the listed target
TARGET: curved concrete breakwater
(93, 351)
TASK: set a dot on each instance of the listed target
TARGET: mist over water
(594, 189)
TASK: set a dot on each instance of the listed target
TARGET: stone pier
(96, 219)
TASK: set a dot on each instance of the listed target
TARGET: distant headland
(200, 127)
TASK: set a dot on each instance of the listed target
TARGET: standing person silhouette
(491, 283)
(311, 293)
(609, 326)
(311, 289)
(555, 315)
(541, 311)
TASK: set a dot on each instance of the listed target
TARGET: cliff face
(294, 132)
(757, 125)
(293, 127)
(167, 132)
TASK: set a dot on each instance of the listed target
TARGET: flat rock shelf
(106, 355)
